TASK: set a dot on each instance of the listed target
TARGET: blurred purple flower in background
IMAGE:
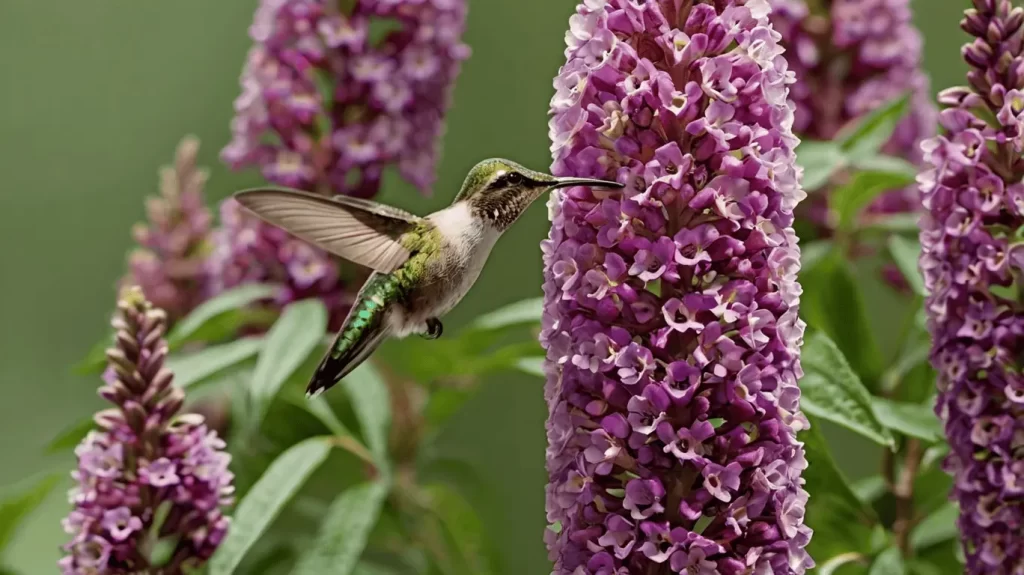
(332, 96)
(972, 259)
(148, 474)
(169, 264)
(850, 59)
(670, 321)
(326, 104)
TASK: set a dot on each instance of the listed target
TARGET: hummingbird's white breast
(466, 243)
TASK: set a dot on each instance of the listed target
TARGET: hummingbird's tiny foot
(434, 328)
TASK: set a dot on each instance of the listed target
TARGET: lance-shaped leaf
(265, 500)
(833, 302)
(96, 359)
(70, 436)
(814, 252)
(888, 562)
(290, 341)
(520, 312)
(213, 309)
(905, 253)
(15, 507)
(938, 526)
(371, 402)
(890, 164)
(911, 419)
(470, 548)
(206, 364)
(344, 531)
(862, 189)
(831, 390)
(867, 136)
(820, 160)
(841, 521)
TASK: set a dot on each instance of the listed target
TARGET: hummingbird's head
(499, 191)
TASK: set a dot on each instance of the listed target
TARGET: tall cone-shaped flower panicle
(169, 263)
(339, 101)
(148, 474)
(851, 57)
(972, 242)
(670, 317)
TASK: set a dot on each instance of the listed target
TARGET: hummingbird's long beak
(570, 182)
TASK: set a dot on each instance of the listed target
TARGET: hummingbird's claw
(434, 328)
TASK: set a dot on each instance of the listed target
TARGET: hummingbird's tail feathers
(333, 369)
(363, 331)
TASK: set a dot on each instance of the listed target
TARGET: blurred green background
(94, 97)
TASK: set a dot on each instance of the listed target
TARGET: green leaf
(320, 409)
(870, 488)
(813, 253)
(832, 302)
(871, 132)
(531, 366)
(520, 312)
(841, 521)
(471, 547)
(896, 223)
(888, 562)
(193, 368)
(95, 361)
(820, 160)
(834, 563)
(214, 308)
(288, 343)
(265, 500)
(70, 436)
(15, 507)
(831, 390)
(372, 404)
(344, 532)
(910, 419)
(862, 189)
(905, 253)
(937, 527)
(889, 164)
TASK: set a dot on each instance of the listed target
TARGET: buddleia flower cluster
(972, 258)
(850, 58)
(326, 104)
(148, 474)
(170, 262)
(670, 317)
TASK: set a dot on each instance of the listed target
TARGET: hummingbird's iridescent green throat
(423, 266)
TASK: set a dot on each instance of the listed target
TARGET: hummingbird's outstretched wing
(361, 231)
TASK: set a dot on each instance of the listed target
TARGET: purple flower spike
(849, 60)
(672, 433)
(972, 258)
(147, 470)
(169, 263)
(326, 105)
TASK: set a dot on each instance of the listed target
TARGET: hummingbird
(422, 267)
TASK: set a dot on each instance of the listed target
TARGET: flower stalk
(972, 259)
(148, 477)
(671, 307)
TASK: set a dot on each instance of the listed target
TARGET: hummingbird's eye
(514, 178)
